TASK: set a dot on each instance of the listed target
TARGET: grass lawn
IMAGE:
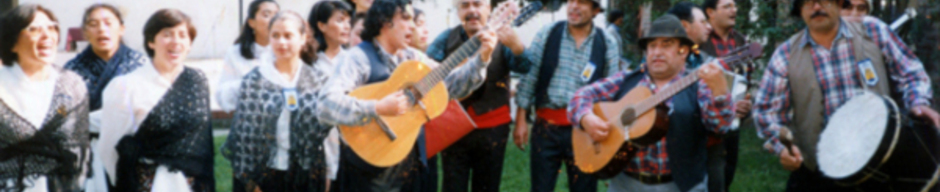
(757, 169)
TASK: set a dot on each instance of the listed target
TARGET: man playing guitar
(483, 149)
(703, 107)
(564, 56)
(386, 35)
(836, 57)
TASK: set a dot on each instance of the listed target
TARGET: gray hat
(667, 26)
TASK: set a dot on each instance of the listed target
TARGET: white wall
(217, 21)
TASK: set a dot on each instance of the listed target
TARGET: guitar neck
(667, 92)
(438, 74)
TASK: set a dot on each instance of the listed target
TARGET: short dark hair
(614, 15)
(114, 10)
(710, 4)
(321, 13)
(166, 18)
(246, 39)
(381, 13)
(418, 12)
(308, 53)
(12, 23)
(683, 10)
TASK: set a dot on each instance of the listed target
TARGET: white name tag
(868, 73)
(588, 71)
(290, 99)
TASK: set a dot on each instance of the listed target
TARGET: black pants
(550, 147)
(356, 175)
(277, 180)
(480, 152)
(722, 161)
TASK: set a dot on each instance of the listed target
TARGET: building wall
(217, 21)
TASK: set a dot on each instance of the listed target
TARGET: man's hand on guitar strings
(596, 127)
(926, 113)
(392, 105)
(714, 78)
(508, 37)
(791, 162)
(487, 44)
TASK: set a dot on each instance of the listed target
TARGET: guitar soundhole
(628, 116)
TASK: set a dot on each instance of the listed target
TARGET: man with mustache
(823, 64)
(677, 161)
(564, 56)
(482, 150)
(722, 39)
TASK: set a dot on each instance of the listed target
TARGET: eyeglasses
(38, 29)
(808, 4)
(859, 8)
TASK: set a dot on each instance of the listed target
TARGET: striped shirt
(337, 108)
(838, 79)
(717, 114)
(571, 62)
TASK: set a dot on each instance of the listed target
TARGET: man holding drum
(831, 60)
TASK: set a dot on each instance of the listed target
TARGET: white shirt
(281, 156)
(331, 143)
(126, 102)
(31, 100)
(234, 68)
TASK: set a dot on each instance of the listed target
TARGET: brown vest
(806, 95)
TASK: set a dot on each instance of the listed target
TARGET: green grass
(757, 169)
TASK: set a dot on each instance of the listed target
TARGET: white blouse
(127, 100)
(332, 141)
(281, 156)
(234, 68)
(31, 100)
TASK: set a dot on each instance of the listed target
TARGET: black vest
(494, 92)
(380, 72)
(686, 138)
(551, 55)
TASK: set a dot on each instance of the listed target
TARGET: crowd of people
(118, 119)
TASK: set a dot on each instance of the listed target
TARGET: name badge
(290, 99)
(588, 71)
(868, 72)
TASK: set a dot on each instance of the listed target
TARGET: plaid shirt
(717, 113)
(571, 62)
(837, 76)
(719, 47)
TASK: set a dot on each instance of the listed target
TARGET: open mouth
(45, 49)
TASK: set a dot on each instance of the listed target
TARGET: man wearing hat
(563, 57)
(678, 161)
(822, 64)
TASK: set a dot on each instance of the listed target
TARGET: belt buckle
(650, 178)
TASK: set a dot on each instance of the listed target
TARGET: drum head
(852, 136)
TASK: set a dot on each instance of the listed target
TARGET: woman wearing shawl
(276, 140)
(157, 135)
(43, 109)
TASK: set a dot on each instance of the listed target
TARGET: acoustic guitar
(454, 123)
(638, 119)
(386, 140)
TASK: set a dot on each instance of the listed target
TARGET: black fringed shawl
(252, 143)
(57, 150)
(97, 72)
(176, 133)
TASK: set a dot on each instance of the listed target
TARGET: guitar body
(369, 141)
(608, 157)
